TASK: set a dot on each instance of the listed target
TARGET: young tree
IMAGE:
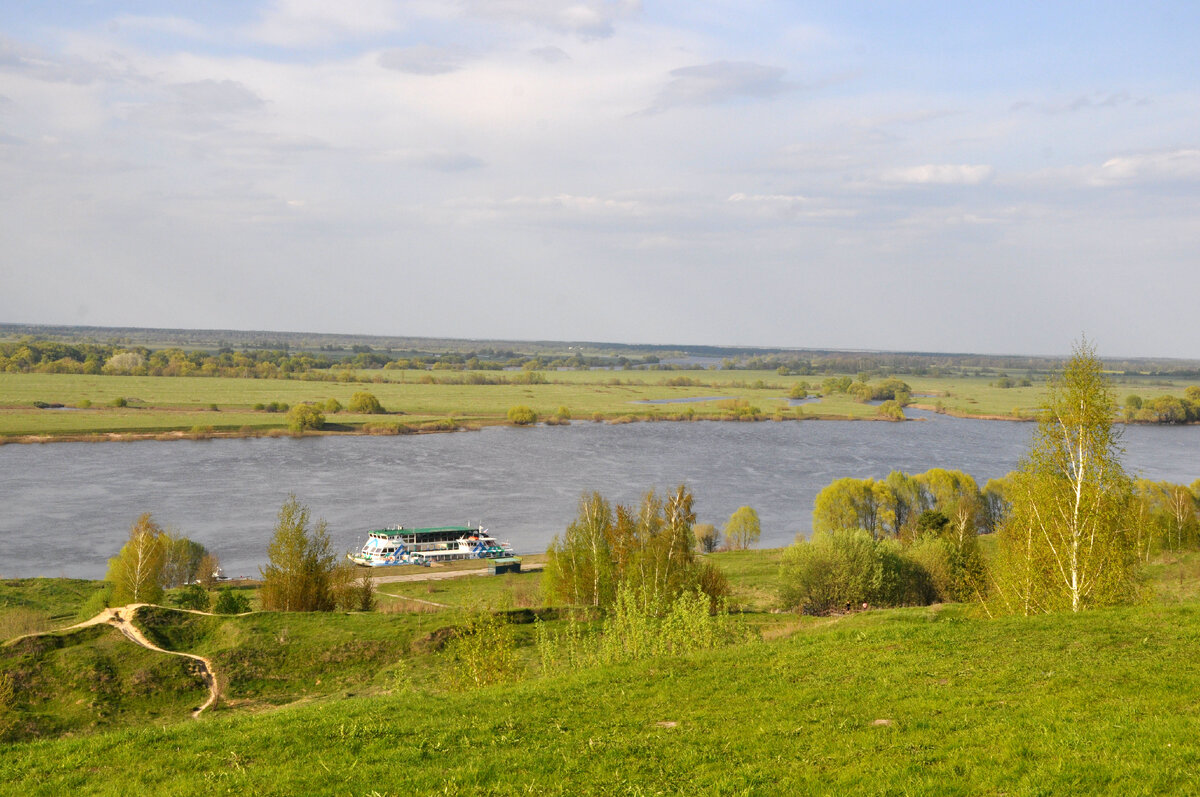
(581, 563)
(743, 529)
(850, 503)
(353, 587)
(707, 537)
(207, 570)
(182, 560)
(300, 563)
(136, 572)
(1064, 544)
(650, 551)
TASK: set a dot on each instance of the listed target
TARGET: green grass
(509, 591)
(91, 679)
(164, 404)
(276, 657)
(754, 575)
(905, 701)
(28, 605)
(927, 700)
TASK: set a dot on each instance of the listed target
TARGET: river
(67, 507)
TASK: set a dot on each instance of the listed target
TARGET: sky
(916, 176)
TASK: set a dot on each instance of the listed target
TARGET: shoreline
(477, 425)
(473, 426)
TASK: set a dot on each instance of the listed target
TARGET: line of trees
(1163, 409)
(1073, 527)
(153, 560)
(648, 549)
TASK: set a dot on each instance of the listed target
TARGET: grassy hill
(905, 701)
(926, 700)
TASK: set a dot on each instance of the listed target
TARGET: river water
(65, 508)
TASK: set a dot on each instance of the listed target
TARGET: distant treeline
(53, 357)
(265, 353)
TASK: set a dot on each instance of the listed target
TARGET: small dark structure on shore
(508, 564)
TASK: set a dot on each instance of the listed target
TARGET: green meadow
(925, 700)
(415, 401)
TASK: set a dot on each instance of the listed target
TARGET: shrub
(193, 596)
(364, 402)
(562, 413)
(333, 405)
(353, 588)
(484, 652)
(522, 415)
(891, 410)
(848, 566)
(230, 602)
(119, 401)
(305, 416)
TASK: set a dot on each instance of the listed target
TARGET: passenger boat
(397, 545)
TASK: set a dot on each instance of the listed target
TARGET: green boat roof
(430, 530)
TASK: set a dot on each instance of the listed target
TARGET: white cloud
(940, 174)
(299, 23)
(216, 96)
(719, 82)
(173, 26)
(1082, 102)
(588, 19)
(437, 160)
(786, 198)
(551, 55)
(423, 59)
(1179, 164)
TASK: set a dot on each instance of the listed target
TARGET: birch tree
(136, 572)
(1065, 543)
(300, 563)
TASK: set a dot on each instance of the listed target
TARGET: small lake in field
(67, 507)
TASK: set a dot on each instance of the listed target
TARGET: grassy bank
(921, 700)
(418, 401)
(904, 701)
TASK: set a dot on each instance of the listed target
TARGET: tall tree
(1065, 542)
(182, 560)
(743, 529)
(300, 563)
(136, 572)
(650, 551)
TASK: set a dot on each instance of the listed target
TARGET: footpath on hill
(122, 617)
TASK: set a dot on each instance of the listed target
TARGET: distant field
(164, 404)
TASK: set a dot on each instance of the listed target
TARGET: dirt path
(436, 576)
(417, 600)
(121, 618)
